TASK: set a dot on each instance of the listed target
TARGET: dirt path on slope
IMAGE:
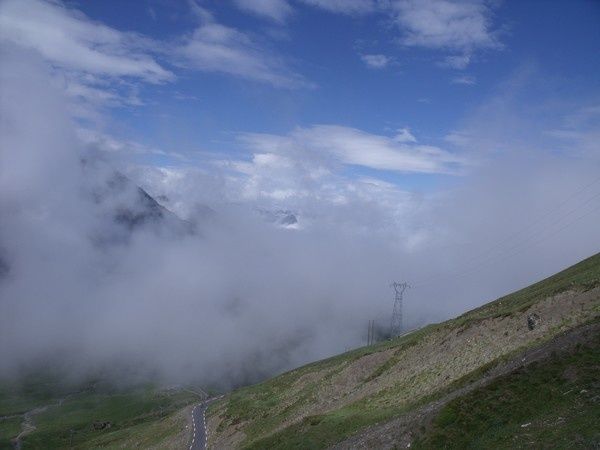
(28, 425)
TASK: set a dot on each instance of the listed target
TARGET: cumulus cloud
(351, 146)
(523, 212)
(462, 26)
(213, 47)
(101, 66)
(459, 27)
(97, 65)
(235, 301)
(72, 41)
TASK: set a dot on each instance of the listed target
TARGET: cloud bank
(242, 298)
(237, 300)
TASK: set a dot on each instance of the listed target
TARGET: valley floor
(40, 413)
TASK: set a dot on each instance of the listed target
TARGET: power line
(520, 247)
(484, 257)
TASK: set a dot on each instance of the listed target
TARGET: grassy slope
(8, 429)
(278, 414)
(550, 404)
(140, 417)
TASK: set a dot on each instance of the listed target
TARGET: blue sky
(561, 38)
(185, 83)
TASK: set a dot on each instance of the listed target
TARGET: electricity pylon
(396, 326)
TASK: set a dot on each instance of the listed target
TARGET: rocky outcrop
(102, 425)
(533, 321)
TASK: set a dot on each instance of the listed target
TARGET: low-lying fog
(229, 293)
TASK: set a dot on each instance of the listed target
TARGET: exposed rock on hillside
(533, 321)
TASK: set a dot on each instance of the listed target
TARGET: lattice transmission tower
(396, 326)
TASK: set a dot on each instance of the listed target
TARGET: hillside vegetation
(418, 388)
(42, 412)
(554, 403)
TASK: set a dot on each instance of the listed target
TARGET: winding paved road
(199, 430)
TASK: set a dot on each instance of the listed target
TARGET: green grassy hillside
(551, 404)
(354, 394)
(54, 415)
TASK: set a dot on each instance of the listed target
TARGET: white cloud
(376, 61)
(350, 146)
(244, 282)
(404, 135)
(92, 94)
(320, 194)
(461, 26)
(352, 7)
(213, 47)
(99, 66)
(458, 25)
(96, 65)
(68, 39)
(107, 143)
(464, 79)
(305, 171)
(277, 10)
